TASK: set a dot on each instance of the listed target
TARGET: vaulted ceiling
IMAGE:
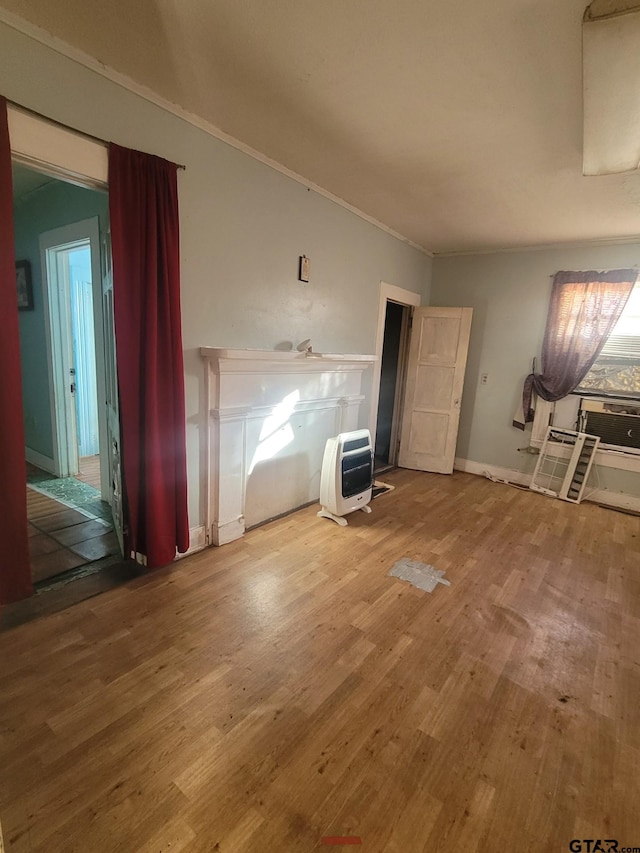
(458, 124)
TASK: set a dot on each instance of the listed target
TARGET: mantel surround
(269, 416)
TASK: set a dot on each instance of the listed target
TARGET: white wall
(509, 292)
(243, 226)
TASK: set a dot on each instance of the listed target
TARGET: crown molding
(545, 247)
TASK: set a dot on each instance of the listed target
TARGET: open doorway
(392, 376)
(70, 270)
(392, 349)
(58, 234)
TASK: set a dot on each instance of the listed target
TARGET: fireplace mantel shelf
(238, 361)
(217, 353)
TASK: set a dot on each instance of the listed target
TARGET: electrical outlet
(484, 378)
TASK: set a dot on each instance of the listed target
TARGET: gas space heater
(347, 475)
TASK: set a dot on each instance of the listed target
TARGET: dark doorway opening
(392, 371)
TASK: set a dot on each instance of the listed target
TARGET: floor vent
(564, 464)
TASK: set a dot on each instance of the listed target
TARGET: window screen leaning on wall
(616, 371)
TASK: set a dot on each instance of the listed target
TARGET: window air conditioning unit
(347, 475)
(615, 422)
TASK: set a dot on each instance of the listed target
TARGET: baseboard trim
(615, 500)
(228, 531)
(40, 460)
(492, 472)
(197, 540)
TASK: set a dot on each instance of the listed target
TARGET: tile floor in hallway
(62, 537)
(81, 491)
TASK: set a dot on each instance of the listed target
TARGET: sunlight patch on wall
(276, 432)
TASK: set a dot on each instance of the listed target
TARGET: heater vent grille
(356, 443)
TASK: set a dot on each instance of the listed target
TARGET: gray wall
(509, 293)
(243, 226)
(52, 206)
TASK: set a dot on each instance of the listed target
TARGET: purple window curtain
(143, 207)
(584, 308)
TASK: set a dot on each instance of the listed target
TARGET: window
(616, 372)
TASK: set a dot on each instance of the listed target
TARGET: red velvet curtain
(15, 572)
(143, 206)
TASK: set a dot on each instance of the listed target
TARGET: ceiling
(26, 182)
(457, 124)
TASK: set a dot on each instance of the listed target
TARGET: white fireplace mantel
(269, 416)
(266, 355)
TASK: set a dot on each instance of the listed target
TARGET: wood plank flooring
(283, 688)
(90, 471)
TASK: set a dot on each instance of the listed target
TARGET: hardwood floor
(90, 471)
(283, 688)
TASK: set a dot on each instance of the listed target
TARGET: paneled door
(435, 375)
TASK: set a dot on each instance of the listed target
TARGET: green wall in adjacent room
(51, 206)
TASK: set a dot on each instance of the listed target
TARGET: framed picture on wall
(23, 286)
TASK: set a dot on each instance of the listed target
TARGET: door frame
(401, 382)
(408, 298)
(58, 335)
(57, 151)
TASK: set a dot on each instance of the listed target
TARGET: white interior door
(57, 247)
(60, 355)
(114, 496)
(84, 351)
(435, 375)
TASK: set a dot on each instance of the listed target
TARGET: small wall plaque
(305, 268)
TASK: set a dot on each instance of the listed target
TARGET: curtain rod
(66, 126)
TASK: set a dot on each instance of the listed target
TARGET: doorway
(58, 227)
(392, 375)
(392, 342)
(70, 266)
